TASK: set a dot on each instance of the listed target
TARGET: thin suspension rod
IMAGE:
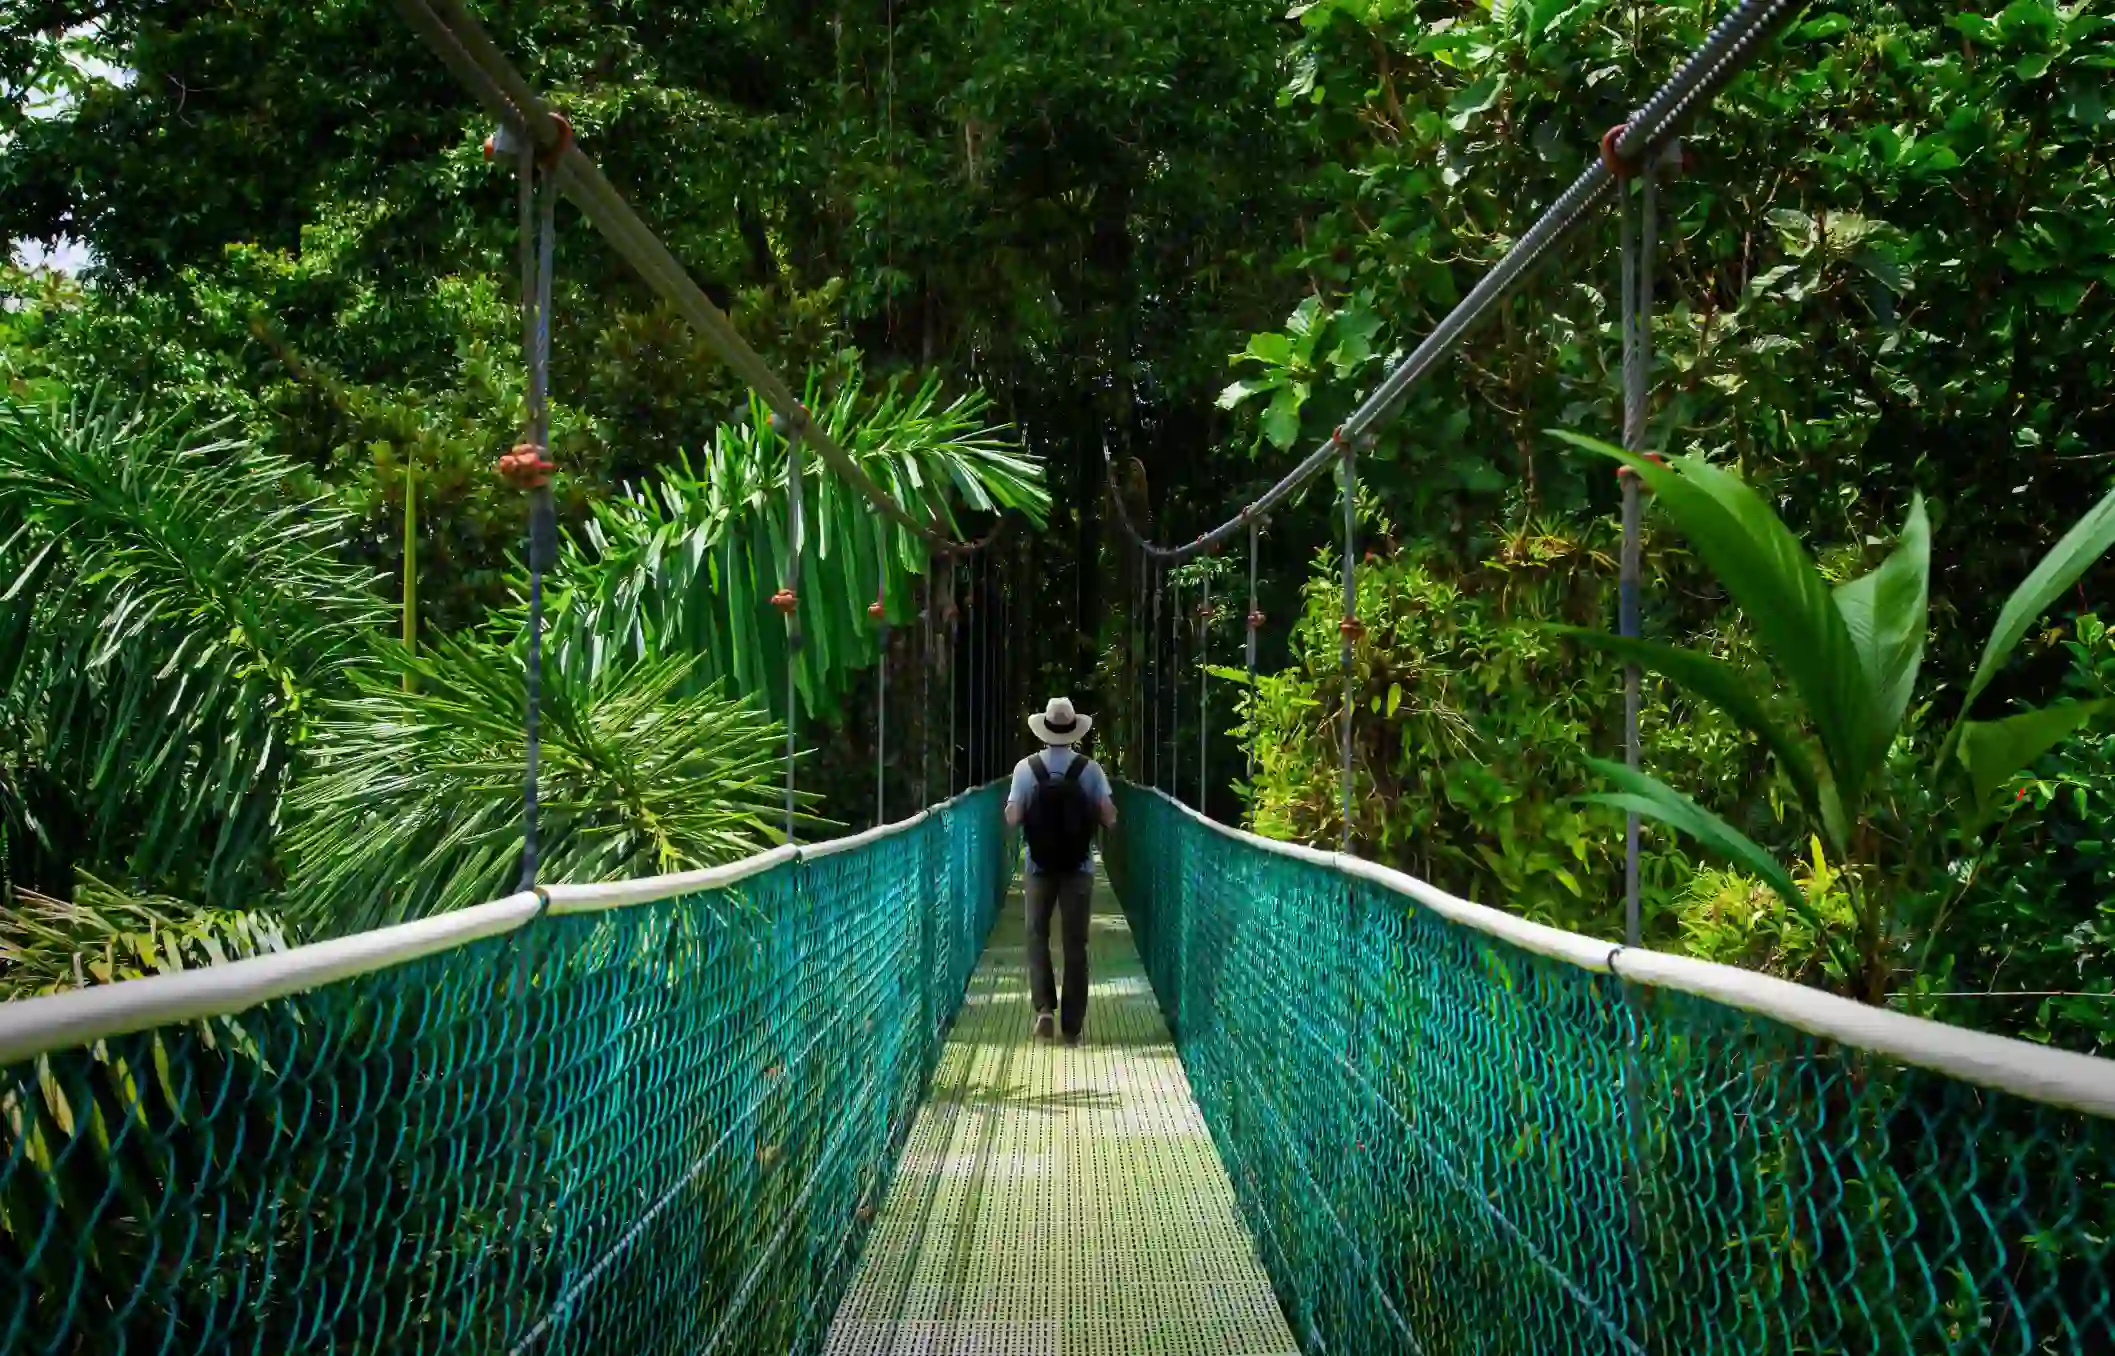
(881, 722)
(795, 544)
(1638, 243)
(1204, 683)
(537, 190)
(1348, 628)
(1255, 619)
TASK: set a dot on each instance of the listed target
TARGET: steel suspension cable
(1727, 48)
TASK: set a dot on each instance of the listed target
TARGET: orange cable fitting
(546, 159)
(785, 601)
(1255, 619)
(1617, 165)
(1351, 628)
(526, 467)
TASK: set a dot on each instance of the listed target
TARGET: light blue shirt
(1092, 782)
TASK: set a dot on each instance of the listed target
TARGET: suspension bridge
(791, 1104)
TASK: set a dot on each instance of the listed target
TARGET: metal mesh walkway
(1055, 1201)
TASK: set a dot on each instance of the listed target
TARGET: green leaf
(1886, 613)
(1270, 347)
(2088, 539)
(1773, 580)
(1301, 323)
(1241, 390)
(1736, 694)
(1993, 750)
(1654, 799)
(1281, 422)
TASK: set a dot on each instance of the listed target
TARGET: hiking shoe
(1045, 1026)
(1072, 1038)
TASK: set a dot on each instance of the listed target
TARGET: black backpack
(1059, 821)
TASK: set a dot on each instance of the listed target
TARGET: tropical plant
(688, 564)
(1848, 659)
(415, 801)
(104, 933)
(169, 600)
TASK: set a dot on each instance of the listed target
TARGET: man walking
(1059, 797)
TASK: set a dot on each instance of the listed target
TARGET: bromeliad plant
(1847, 659)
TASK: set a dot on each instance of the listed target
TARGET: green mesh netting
(1430, 1135)
(658, 1129)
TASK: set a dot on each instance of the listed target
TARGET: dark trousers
(1071, 896)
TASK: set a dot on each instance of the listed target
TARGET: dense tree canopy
(1189, 235)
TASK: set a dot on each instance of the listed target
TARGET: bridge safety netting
(616, 1125)
(1447, 1141)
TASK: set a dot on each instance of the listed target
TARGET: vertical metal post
(537, 261)
(1638, 228)
(1348, 628)
(1175, 692)
(1153, 696)
(881, 714)
(925, 693)
(1255, 619)
(954, 591)
(795, 545)
(1204, 680)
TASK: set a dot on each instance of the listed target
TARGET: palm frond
(106, 933)
(169, 602)
(688, 564)
(413, 801)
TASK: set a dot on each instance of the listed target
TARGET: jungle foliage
(1186, 235)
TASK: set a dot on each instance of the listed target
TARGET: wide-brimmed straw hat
(1059, 724)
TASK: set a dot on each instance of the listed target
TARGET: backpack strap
(1076, 769)
(1041, 770)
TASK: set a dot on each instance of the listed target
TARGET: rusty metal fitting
(526, 467)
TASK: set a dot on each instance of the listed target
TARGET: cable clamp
(1352, 629)
(785, 600)
(876, 611)
(507, 142)
(1255, 619)
(526, 467)
(548, 157)
(1624, 472)
(1617, 165)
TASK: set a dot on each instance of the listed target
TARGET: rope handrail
(1724, 51)
(2038, 1073)
(477, 63)
(31, 1027)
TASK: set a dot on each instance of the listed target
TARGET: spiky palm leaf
(168, 601)
(105, 933)
(413, 804)
(688, 564)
